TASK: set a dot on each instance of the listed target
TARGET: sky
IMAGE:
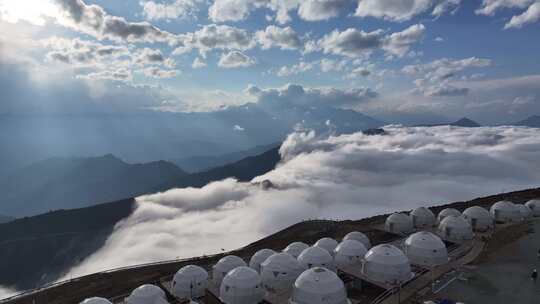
(414, 58)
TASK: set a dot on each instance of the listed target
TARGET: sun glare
(32, 11)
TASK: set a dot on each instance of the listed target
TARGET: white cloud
(439, 39)
(213, 36)
(309, 10)
(198, 63)
(156, 72)
(283, 37)
(294, 94)
(399, 43)
(235, 59)
(351, 42)
(337, 177)
(294, 69)
(357, 43)
(317, 10)
(490, 7)
(238, 128)
(117, 75)
(229, 10)
(178, 9)
(530, 15)
(403, 10)
(93, 20)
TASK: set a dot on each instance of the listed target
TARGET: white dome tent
(295, 248)
(447, 212)
(147, 294)
(387, 264)
(505, 212)
(358, 236)
(316, 257)
(224, 265)
(455, 229)
(329, 244)
(425, 249)
(399, 223)
(349, 253)
(422, 217)
(96, 300)
(479, 218)
(241, 285)
(526, 212)
(189, 282)
(534, 205)
(259, 257)
(319, 286)
(279, 272)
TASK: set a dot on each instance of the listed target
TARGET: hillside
(5, 218)
(463, 122)
(531, 121)
(203, 163)
(67, 183)
(53, 242)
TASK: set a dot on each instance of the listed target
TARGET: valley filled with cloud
(332, 177)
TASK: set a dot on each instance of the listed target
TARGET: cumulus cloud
(118, 75)
(213, 36)
(351, 42)
(78, 52)
(284, 38)
(198, 63)
(357, 43)
(294, 69)
(156, 72)
(293, 94)
(403, 10)
(346, 177)
(179, 9)
(530, 15)
(235, 59)
(309, 10)
(437, 76)
(93, 20)
(399, 43)
(317, 10)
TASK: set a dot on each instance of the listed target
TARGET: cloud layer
(346, 177)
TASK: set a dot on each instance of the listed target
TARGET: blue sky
(415, 58)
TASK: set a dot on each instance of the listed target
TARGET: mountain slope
(463, 122)
(56, 241)
(203, 163)
(531, 121)
(67, 183)
(5, 219)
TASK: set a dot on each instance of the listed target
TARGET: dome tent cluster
(305, 274)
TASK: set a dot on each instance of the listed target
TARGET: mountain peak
(466, 122)
(532, 121)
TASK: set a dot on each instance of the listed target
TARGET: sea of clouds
(334, 177)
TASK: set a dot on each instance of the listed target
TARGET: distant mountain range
(202, 163)
(67, 183)
(55, 241)
(5, 219)
(463, 122)
(146, 137)
(531, 121)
